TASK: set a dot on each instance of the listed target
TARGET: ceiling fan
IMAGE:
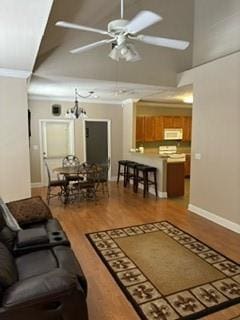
(122, 32)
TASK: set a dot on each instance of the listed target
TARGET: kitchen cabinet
(177, 122)
(175, 179)
(167, 122)
(140, 129)
(187, 129)
(149, 129)
(170, 122)
(159, 128)
(187, 166)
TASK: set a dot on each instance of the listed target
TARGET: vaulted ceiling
(22, 24)
(158, 68)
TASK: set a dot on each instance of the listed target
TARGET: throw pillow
(30, 210)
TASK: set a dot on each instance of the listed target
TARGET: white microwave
(173, 134)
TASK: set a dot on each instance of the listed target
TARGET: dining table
(81, 171)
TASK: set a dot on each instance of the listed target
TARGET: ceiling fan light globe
(124, 51)
(114, 54)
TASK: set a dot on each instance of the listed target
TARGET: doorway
(56, 141)
(97, 141)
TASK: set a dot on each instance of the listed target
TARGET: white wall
(14, 143)
(215, 179)
(41, 109)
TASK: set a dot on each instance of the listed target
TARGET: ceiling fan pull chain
(122, 8)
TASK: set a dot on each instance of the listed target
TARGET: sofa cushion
(67, 261)
(45, 287)
(2, 220)
(8, 271)
(51, 225)
(32, 237)
(30, 210)
(8, 236)
(35, 263)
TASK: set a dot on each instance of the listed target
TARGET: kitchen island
(161, 163)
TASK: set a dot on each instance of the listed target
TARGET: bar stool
(121, 163)
(131, 173)
(145, 178)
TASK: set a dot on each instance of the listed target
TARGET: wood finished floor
(124, 208)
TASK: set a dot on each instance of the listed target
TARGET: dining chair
(87, 181)
(61, 185)
(103, 177)
(71, 161)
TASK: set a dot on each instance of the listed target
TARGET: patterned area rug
(166, 273)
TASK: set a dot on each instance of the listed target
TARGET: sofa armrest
(39, 289)
(31, 237)
(30, 210)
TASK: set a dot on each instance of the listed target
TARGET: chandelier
(77, 112)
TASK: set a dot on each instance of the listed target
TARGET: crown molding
(68, 99)
(164, 104)
(14, 73)
(130, 100)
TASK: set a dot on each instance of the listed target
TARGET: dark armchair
(41, 285)
(44, 280)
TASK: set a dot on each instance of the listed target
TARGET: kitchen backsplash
(152, 147)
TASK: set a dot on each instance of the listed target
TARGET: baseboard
(215, 218)
(36, 185)
(162, 195)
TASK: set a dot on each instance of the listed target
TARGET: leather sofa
(40, 278)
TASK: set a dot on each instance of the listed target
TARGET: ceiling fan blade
(79, 27)
(92, 45)
(164, 42)
(142, 20)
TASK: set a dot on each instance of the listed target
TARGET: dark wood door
(96, 141)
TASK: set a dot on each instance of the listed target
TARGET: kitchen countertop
(186, 150)
(155, 156)
(148, 154)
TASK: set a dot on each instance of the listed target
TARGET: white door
(57, 141)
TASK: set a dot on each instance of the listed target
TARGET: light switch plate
(198, 156)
